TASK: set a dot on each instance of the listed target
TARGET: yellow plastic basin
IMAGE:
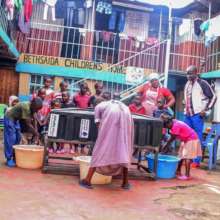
(29, 156)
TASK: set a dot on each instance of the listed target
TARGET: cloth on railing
(10, 9)
(75, 14)
(88, 3)
(117, 20)
(211, 29)
(51, 4)
(18, 4)
(106, 36)
(151, 41)
(23, 25)
(197, 24)
(104, 7)
(27, 10)
(136, 24)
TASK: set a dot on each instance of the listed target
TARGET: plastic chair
(2, 113)
(212, 144)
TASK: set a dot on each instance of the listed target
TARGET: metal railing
(117, 50)
(133, 61)
(3, 19)
(84, 44)
(212, 61)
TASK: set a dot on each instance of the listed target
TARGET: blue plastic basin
(167, 165)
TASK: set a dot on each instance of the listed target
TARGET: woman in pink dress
(113, 149)
(190, 146)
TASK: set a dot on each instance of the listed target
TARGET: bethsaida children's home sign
(73, 63)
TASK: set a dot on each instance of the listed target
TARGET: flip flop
(184, 178)
(84, 184)
(126, 186)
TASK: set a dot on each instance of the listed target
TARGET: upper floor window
(37, 82)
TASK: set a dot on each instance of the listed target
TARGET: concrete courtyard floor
(28, 194)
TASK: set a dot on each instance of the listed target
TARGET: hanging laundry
(136, 24)
(211, 29)
(117, 20)
(22, 24)
(104, 7)
(51, 4)
(151, 41)
(106, 36)
(60, 9)
(197, 24)
(18, 4)
(185, 27)
(88, 3)
(123, 36)
(27, 10)
(10, 9)
(75, 13)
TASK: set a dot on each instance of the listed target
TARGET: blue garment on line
(196, 122)
(113, 20)
(12, 136)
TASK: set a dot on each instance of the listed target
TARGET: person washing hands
(23, 112)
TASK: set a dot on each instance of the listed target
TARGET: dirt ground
(28, 194)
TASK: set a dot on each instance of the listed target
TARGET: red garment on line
(28, 10)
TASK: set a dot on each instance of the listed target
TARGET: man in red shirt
(136, 106)
(81, 99)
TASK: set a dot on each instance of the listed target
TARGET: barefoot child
(190, 145)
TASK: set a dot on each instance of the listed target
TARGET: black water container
(148, 131)
(79, 125)
(72, 125)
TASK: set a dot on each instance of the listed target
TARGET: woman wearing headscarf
(151, 91)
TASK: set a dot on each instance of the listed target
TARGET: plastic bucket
(29, 156)
(167, 165)
(84, 164)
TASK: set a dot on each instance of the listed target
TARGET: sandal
(184, 177)
(126, 186)
(85, 184)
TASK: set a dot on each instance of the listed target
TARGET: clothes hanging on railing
(18, 4)
(49, 4)
(104, 7)
(136, 24)
(151, 41)
(117, 20)
(197, 24)
(88, 3)
(75, 14)
(9, 6)
(211, 29)
(106, 36)
(23, 25)
(27, 10)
